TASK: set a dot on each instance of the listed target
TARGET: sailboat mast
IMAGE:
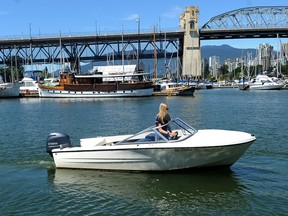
(165, 59)
(16, 66)
(11, 71)
(122, 50)
(155, 55)
(177, 66)
(61, 54)
(277, 62)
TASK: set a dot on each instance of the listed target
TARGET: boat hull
(149, 150)
(180, 91)
(263, 82)
(206, 148)
(94, 94)
(186, 91)
(9, 90)
(150, 159)
(243, 87)
(266, 87)
(139, 89)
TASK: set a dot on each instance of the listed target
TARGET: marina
(146, 120)
(31, 184)
(180, 46)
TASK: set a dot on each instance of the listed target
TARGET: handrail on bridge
(83, 34)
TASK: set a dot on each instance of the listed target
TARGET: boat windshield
(152, 133)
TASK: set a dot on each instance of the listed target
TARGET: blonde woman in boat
(162, 120)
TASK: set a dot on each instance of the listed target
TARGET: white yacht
(29, 88)
(264, 82)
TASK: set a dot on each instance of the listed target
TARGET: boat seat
(148, 138)
(151, 138)
(88, 142)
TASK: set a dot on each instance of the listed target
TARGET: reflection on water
(143, 183)
(164, 191)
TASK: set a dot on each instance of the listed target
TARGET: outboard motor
(57, 140)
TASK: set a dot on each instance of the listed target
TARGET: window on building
(192, 25)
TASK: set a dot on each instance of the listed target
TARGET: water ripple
(256, 184)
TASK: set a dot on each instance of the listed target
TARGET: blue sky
(52, 17)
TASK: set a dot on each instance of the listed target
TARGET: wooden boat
(104, 81)
(167, 88)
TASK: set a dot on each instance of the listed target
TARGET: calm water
(255, 185)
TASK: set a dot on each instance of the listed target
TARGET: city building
(284, 53)
(265, 56)
(230, 64)
(214, 65)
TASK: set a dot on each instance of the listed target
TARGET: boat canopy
(114, 69)
(34, 74)
(110, 76)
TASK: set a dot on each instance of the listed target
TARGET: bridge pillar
(191, 62)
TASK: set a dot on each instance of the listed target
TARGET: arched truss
(251, 18)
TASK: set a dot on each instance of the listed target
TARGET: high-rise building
(214, 65)
(284, 53)
(265, 55)
(230, 64)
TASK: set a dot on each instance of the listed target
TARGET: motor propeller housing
(57, 140)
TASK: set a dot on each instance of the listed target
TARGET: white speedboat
(263, 82)
(149, 150)
(29, 88)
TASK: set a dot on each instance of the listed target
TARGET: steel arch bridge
(251, 22)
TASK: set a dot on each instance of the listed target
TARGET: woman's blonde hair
(162, 111)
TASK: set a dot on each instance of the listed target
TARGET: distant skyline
(54, 17)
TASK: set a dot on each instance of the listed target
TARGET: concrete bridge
(253, 22)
